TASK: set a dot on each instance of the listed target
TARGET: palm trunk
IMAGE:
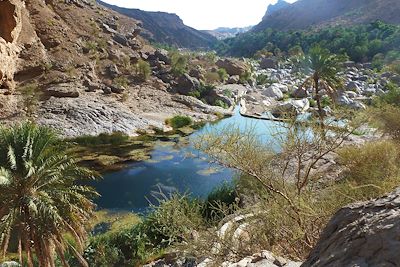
(318, 99)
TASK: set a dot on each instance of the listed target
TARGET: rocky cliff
(166, 28)
(314, 13)
(272, 8)
(71, 64)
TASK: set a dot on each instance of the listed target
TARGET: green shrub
(179, 63)
(313, 103)
(31, 96)
(245, 77)
(262, 79)
(179, 121)
(392, 96)
(220, 202)
(223, 75)
(116, 138)
(326, 101)
(143, 69)
(172, 221)
(121, 81)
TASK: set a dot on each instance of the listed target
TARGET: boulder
(268, 63)
(273, 91)
(349, 64)
(187, 84)
(198, 73)
(291, 107)
(63, 90)
(300, 93)
(233, 79)
(162, 55)
(121, 39)
(10, 264)
(344, 100)
(362, 234)
(232, 66)
(112, 71)
(117, 89)
(353, 86)
(351, 94)
(369, 91)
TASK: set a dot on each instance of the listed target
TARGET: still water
(174, 166)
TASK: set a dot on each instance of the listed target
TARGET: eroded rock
(362, 234)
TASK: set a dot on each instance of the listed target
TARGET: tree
(40, 198)
(325, 67)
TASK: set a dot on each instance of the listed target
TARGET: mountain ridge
(166, 28)
(304, 14)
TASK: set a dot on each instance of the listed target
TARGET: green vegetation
(179, 63)
(361, 43)
(40, 200)
(143, 69)
(179, 121)
(223, 75)
(121, 81)
(115, 138)
(325, 67)
(31, 96)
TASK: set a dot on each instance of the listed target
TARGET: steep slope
(71, 64)
(167, 28)
(314, 13)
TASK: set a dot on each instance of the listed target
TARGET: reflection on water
(174, 166)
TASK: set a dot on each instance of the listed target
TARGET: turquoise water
(174, 167)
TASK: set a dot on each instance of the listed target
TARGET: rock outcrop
(10, 28)
(232, 66)
(362, 234)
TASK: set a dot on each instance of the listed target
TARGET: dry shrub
(387, 118)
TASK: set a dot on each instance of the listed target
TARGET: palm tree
(41, 201)
(325, 68)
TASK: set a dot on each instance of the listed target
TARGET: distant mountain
(166, 28)
(278, 6)
(304, 14)
(224, 32)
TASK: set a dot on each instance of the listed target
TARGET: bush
(262, 79)
(179, 63)
(220, 202)
(387, 119)
(179, 121)
(370, 162)
(392, 96)
(143, 69)
(212, 77)
(121, 81)
(223, 75)
(116, 138)
(172, 221)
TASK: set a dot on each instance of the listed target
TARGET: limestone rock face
(10, 28)
(78, 116)
(363, 234)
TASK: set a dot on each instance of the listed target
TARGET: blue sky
(206, 14)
